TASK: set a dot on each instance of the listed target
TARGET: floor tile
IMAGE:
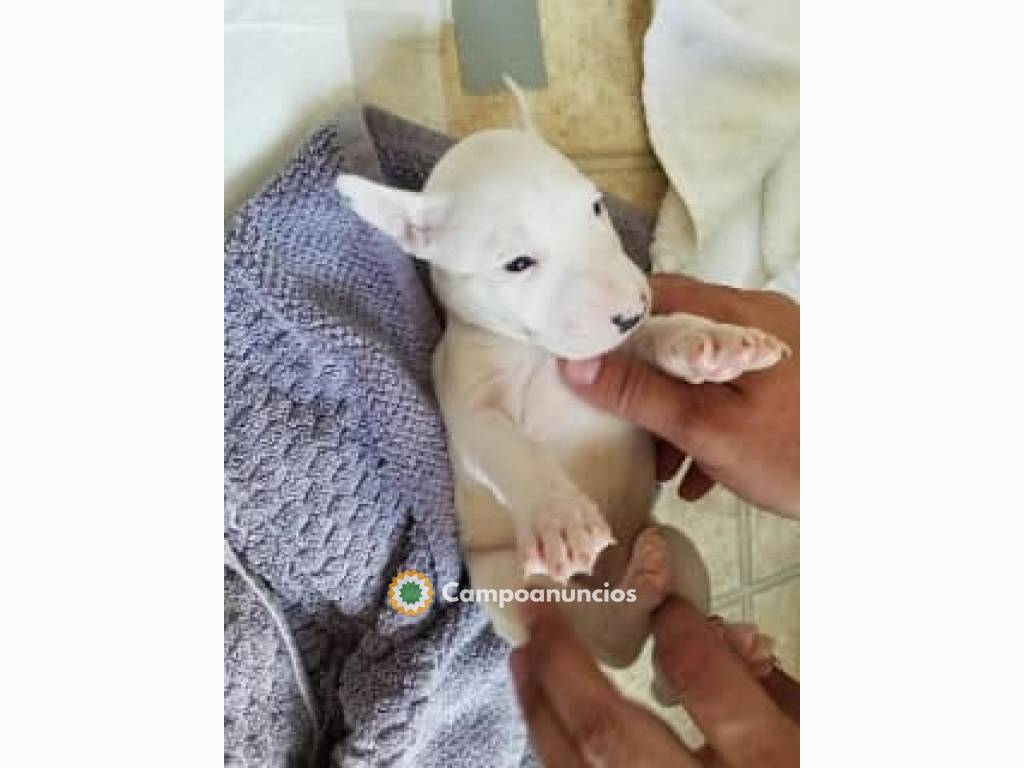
(775, 543)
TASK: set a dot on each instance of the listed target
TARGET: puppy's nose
(626, 324)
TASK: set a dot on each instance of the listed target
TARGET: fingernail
(582, 372)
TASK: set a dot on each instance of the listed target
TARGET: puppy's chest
(610, 460)
(553, 416)
(535, 399)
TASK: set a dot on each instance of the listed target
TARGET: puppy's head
(519, 242)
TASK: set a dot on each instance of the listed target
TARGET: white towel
(722, 97)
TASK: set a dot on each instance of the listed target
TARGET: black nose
(625, 324)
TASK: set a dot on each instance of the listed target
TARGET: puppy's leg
(559, 530)
(689, 576)
(689, 581)
(497, 570)
(614, 631)
(662, 561)
(697, 350)
(617, 630)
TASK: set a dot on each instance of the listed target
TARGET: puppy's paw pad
(565, 537)
(719, 352)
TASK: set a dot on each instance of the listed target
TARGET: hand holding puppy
(744, 434)
(576, 717)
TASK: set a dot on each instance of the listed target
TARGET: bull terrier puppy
(529, 269)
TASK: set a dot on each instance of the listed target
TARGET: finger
(668, 459)
(549, 740)
(695, 484)
(738, 719)
(675, 293)
(681, 413)
(785, 692)
(590, 710)
(709, 758)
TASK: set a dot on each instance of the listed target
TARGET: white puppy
(529, 268)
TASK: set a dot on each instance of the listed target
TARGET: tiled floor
(406, 59)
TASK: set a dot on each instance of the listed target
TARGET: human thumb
(633, 389)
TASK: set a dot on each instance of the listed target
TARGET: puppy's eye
(598, 208)
(520, 264)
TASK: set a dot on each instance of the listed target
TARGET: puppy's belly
(616, 470)
(609, 459)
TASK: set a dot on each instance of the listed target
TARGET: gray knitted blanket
(337, 477)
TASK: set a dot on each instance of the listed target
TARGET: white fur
(545, 484)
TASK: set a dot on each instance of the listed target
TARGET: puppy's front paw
(566, 533)
(717, 352)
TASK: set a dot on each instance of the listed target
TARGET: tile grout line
(777, 579)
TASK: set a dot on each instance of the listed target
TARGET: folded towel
(721, 94)
(337, 477)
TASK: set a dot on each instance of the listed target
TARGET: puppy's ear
(413, 219)
(525, 119)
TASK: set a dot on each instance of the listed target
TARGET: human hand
(577, 719)
(744, 434)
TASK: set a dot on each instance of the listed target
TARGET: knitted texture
(337, 477)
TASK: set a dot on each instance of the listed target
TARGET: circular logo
(410, 593)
